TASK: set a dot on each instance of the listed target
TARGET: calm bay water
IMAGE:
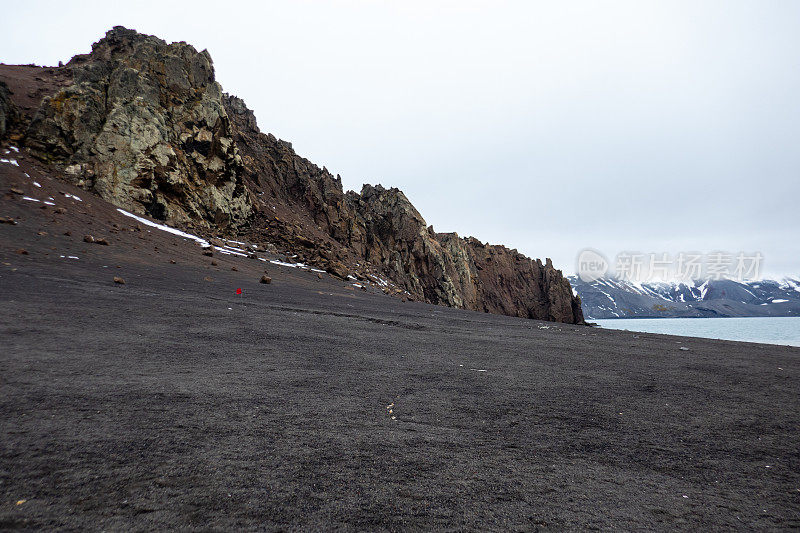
(769, 330)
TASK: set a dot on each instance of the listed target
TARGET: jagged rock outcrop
(143, 125)
(397, 237)
(444, 268)
(8, 111)
(281, 177)
(383, 228)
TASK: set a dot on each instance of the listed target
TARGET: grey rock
(143, 125)
(8, 111)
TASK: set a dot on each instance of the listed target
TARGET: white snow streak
(168, 229)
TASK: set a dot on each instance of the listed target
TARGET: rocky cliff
(8, 111)
(381, 227)
(144, 124)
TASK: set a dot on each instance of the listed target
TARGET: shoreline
(779, 331)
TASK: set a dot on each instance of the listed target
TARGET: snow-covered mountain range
(614, 298)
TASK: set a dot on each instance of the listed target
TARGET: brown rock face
(8, 111)
(142, 124)
(380, 226)
(512, 284)
(443, 268)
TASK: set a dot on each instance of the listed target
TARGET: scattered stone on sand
(88, 238)
(118, 280)
(684, 348)
(8, 220)
(208, 252)
(68, 233)
(41, 233)
(234, 269)
(214, 263)
(172, 262)
(22, 251)
(16, 191)
(319, 275)
(208, 278)
(60, 210)
(266, 279)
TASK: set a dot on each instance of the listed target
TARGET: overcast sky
(546, 126)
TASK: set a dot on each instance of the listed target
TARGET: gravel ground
(171, 402)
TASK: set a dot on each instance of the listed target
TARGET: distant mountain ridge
(614, 298)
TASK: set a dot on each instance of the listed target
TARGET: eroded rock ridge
(145, 125)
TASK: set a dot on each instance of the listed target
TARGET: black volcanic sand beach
(172, 402)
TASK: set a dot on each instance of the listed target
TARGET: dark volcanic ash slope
(144, 124)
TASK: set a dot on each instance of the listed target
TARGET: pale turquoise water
(769, 330)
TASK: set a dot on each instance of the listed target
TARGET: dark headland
(141, 392)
